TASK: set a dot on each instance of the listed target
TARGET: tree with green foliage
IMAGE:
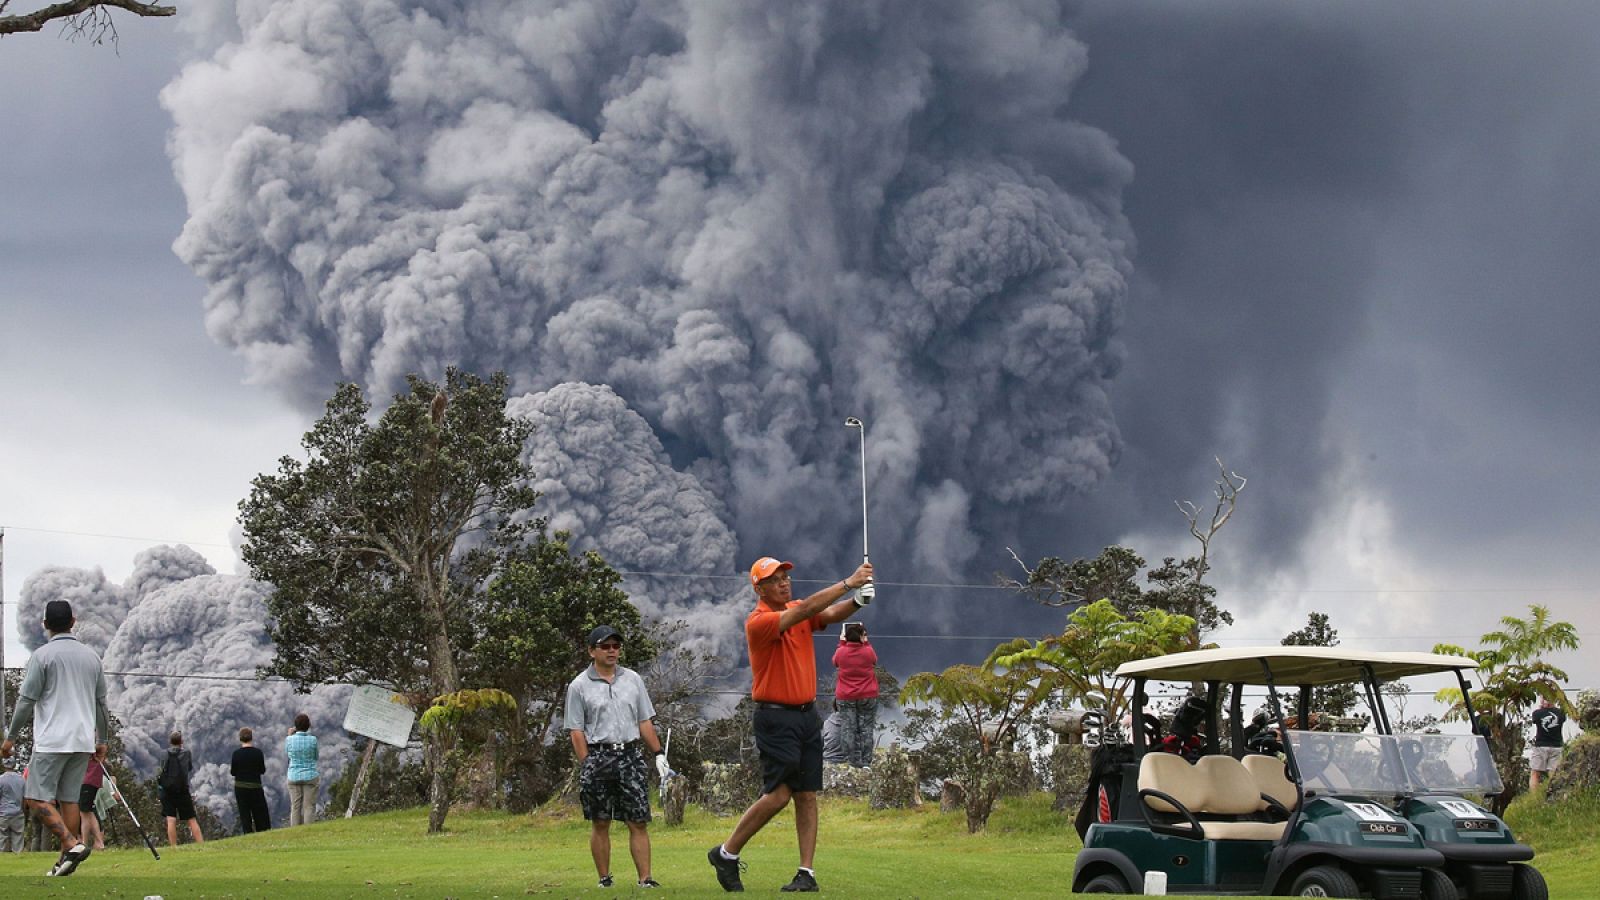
(1177, 587)
(1110, 576)
(1514, 677)
(1333, 700)
(364, 541)
(1079, 665)
(986, 705)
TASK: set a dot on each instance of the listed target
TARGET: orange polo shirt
(783, 665)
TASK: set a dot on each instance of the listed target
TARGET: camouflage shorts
(613, 784)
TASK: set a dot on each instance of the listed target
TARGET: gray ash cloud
(745, 220)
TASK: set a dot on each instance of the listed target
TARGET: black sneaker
(70, 859)
(649, 883)
(727, 870)
(605, 881)
(804, 883)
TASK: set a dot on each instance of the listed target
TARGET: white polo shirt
(608, 712)
(65, 686)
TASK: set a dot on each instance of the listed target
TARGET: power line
(116, 537)
(702, 576)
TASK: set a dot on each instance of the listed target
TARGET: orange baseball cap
(764, 568)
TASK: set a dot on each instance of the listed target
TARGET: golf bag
(1109, 766)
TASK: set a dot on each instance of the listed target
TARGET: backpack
(172, 780)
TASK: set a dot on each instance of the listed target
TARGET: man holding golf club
(788, 733)
(63, 695)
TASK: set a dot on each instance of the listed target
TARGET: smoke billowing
(745, 220)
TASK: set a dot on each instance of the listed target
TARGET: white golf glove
(864, 594)
(662, 769)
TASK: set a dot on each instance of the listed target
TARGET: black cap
(603, 632)
(58, 615)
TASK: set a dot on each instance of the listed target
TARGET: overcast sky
(1364, 273)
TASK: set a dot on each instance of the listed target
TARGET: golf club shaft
(864, 556)
(126, 806)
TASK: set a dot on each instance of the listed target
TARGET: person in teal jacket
(301, 746)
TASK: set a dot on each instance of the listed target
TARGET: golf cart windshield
(1380, 765)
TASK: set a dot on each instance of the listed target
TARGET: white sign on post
(379, 714)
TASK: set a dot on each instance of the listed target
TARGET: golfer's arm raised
(822, 603)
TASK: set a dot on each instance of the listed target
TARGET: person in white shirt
(63, 695)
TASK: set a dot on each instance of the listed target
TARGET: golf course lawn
(1027, 851)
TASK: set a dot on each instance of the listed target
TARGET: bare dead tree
(1227, 494)
(89, 19)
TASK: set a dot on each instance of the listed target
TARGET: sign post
(382, 716)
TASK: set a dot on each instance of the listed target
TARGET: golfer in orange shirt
(788, 732)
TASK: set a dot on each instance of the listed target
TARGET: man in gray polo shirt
(63, 694)
(608, 712)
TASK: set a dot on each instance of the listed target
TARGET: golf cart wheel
(1528, 884)
(1436, 885)
(1325, 881)
(1106, 884)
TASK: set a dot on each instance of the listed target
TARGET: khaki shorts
(1544, 759)
(55, 777)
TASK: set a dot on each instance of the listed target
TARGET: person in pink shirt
(856, 690)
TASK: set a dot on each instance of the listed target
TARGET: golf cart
(1290, 810)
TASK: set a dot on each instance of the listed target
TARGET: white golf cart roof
(1290, 665)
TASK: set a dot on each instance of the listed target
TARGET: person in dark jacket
(176, 800)
(248, 765)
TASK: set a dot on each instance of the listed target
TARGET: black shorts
(177, 805)
(86, 796)
(790, 743)
(613, 784)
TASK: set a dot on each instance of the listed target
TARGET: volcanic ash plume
(747, 219)
(98, 605)
(609, 483)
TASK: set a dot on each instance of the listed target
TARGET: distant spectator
(1548, 721)
(12, 818)
(301, 746)
(94, 778)
(249, 764)
(177, 802)
(856, 690)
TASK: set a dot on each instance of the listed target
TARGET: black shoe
(649, 883)
(605, 881)
(68, 863)
(803, 883)
(727, 870)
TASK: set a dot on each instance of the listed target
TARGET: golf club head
(853, 422)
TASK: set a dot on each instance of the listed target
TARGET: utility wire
(703, 576)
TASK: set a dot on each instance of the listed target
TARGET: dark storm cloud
(1364, 236)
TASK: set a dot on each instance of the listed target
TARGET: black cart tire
(1106, 884)
(1527, 883)
(1325, 881)
(1436, 885)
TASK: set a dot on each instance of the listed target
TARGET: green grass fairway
(1027, 852)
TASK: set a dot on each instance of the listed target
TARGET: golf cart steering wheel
(1313, 755)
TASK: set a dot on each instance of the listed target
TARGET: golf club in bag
(868, 590)
(112, 783)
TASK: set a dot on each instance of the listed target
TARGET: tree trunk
(980, 802)
(445, 680)
(441, 783)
